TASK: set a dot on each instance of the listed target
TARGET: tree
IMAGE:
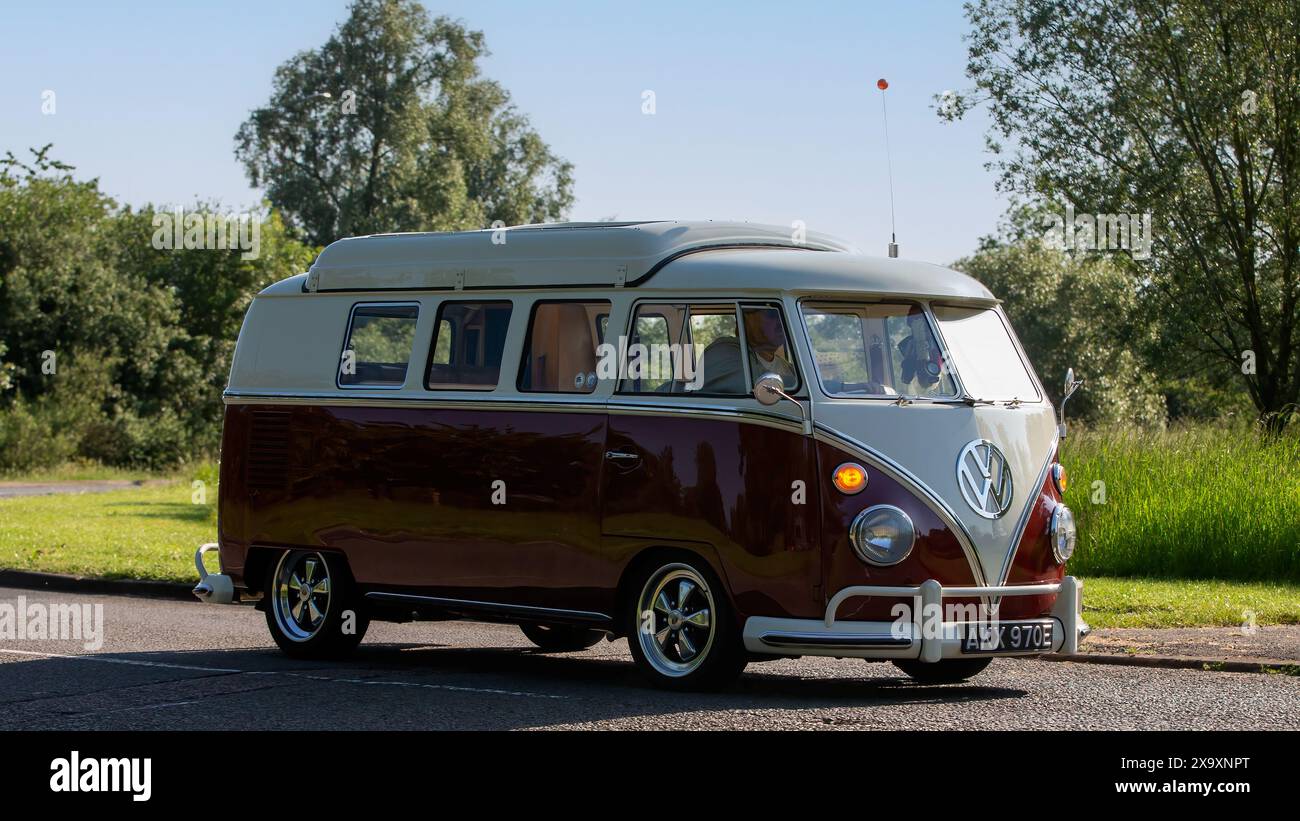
(1080, 312)
(59, 289)
(112, 348)
(6, 371)
(212, 289)
(389, 127)
(1186, 110)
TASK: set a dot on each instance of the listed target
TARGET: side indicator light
(1060, 478)
(849, 478)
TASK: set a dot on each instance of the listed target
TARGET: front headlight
(1064, 534)
(882, 535)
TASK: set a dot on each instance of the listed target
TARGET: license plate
(1008, 638)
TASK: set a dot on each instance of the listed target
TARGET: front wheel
(945, 671)
(682, 634)
(561, 638)
(312, 608)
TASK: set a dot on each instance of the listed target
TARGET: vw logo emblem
(984, 478)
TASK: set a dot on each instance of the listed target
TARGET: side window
(769, 350)
(840, 348)
(442, 342)
(714, 345)
(560, 351)
(650, 330)
(469, 338)
(378, 348)
(685, 349)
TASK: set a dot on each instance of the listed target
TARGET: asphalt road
(173, 665)
(13, 489)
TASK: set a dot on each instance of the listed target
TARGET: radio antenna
(883, 84)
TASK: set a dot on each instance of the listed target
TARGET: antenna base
(893, 250)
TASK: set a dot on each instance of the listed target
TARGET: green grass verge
(151, 533)
(145, 533)
(1114, 602)
(1208, 502)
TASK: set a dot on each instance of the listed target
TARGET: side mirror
(1071, 385)
(770, 389)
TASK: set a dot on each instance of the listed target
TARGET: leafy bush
(111, 349)
(29, 439)
(157, 443)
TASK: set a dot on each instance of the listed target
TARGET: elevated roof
(657, 256)
(829, 274)
(533, 256)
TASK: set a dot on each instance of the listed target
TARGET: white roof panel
(533, 256)
(769, 269)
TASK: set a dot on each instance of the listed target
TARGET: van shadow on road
(758, 688)
(419, 686)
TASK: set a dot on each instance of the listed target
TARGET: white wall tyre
(683, 634)
(312, 607)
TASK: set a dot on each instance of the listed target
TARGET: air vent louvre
(268, 450)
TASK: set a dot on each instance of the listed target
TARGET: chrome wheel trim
(301, 596)
(676, 616)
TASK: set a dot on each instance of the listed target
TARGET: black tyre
(561, 638)
(313, 609)
(681, 628)
(946, 671)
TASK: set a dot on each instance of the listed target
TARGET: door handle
(619, 456)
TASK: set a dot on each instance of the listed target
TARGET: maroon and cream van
(721, 441)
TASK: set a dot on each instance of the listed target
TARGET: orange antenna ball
(882, 84)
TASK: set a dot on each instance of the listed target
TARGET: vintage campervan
(721, 441)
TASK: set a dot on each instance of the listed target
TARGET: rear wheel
(683, 635)
(561, 638)
(313, 609)
(945, 671)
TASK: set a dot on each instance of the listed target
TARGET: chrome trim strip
(469, 604)
(1030, 504)
(541, 406)
(1045, 589)
(844, 641)
(933, 590)
(334, 399)
(901, 474)
(707, 411)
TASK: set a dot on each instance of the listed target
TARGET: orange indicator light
(850, 478)
(1060, 478)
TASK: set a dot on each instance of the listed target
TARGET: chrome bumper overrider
(930, 640)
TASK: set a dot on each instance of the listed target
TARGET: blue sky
(766, 111)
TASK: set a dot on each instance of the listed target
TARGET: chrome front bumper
(929, 641)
